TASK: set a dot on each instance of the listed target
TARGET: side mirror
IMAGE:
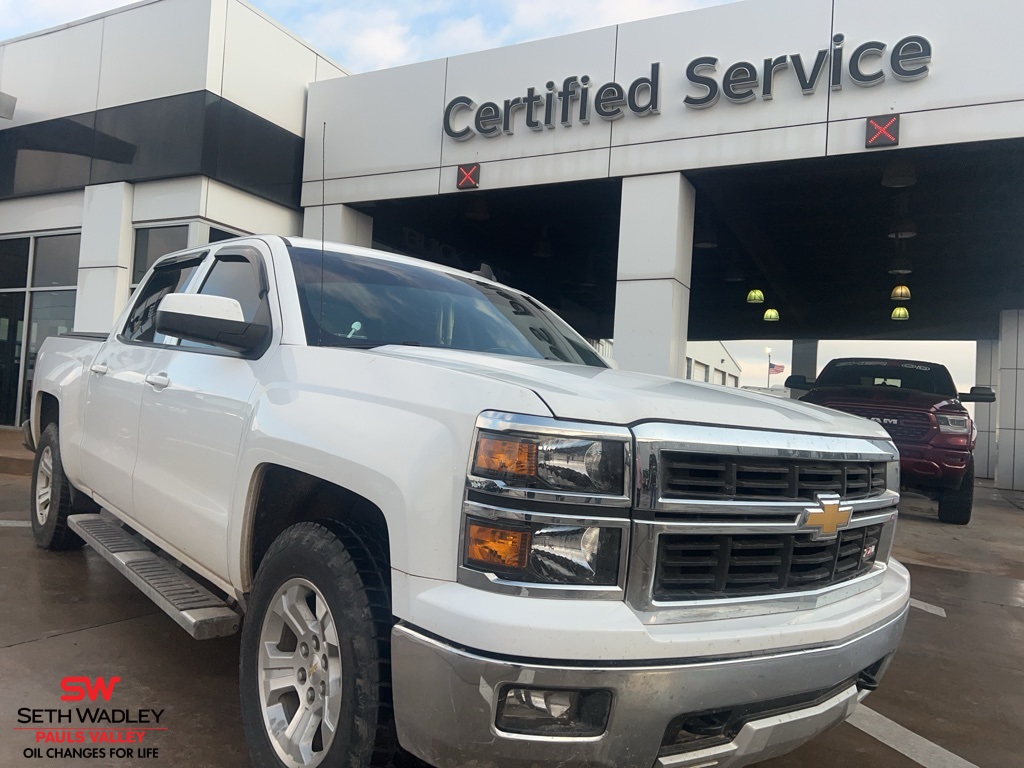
(213, 320)
(978, 395)
(798, 382)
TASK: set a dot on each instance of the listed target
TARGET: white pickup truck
(454, 531)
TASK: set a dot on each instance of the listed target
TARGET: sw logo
(828, 518)
(78, 688)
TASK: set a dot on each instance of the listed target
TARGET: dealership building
(802, 169)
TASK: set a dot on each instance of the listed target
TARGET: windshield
(351, 301)
(906, 374)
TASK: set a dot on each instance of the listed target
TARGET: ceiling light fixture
(755, 296)
(771, 315)
(900, 313)
(902, 226)
(900, 293)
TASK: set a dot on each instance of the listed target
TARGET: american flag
(775, 368)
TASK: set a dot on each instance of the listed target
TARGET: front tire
(955, 506)
(51, 497)
(315, 654)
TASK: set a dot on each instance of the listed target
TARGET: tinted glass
(141, 323)
(188, 134)
(150, 139)
(216, 235)
(14, 263)
(50, 314)
(47, 156)
(235, 278)
(905, 374)
(12, 320)
(349, 301)
(56, 261)
(152, 243)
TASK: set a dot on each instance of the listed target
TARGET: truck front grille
(696, 566)
(910, 426)
(709, 477)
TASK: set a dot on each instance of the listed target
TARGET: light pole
(768, 351)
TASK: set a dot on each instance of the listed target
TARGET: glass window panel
(152, 243)
(14, 263)
(46, 156)
(51, 313)
(235, 278)
(12, 321)
(56, 261)
(216, 235)
(141, 323)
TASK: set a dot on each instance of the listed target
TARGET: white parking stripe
(917, 748)
(928, 607)
(14, 524)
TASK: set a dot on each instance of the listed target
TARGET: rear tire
(315, 660)
(955, 506)
(52, 497)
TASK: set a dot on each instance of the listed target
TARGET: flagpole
(769, 351)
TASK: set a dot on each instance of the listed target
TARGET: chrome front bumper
(446, 702)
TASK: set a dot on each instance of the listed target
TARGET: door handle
(158, 380)
(98, 368)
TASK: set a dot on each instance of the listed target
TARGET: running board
(199, 612)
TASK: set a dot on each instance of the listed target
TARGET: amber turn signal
(491, 546)
(505, 457)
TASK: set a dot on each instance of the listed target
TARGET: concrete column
(805, 362)
(105, 259)
(342, 225)
(986, 375)
(1010, 410)
(652, 290)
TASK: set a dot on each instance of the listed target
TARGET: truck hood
(886, 397)
(585, 393)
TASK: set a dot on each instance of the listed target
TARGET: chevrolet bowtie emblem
(828, 518)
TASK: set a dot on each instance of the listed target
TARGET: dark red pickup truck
(919, 406)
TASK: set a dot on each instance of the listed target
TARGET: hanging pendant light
(755, 296)
(771, 315)
(902, 227)
(900, 293)
(900, 313)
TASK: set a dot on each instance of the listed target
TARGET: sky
(373, 35)
(366, 36)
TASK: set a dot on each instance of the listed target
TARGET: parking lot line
(928, 607)
(906, 742)
(14, 524)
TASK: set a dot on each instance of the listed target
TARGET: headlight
(554, 463)
(544, 553)
(956, 425)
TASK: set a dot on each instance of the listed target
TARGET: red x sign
(468, 176)
(882, 131)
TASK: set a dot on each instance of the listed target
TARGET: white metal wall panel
(506, 73)
(35, 214)
(378, 122)
(751, 32)
(975, 54)
(53, 75)
(266, 70)
(154, 50)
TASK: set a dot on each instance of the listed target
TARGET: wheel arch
(281, 496)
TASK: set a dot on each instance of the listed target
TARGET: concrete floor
(957, 681)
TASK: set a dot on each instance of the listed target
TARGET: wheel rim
(44, 485)
(299, 674)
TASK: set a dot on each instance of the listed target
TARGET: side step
(199, 612)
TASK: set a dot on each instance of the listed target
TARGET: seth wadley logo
(90, 732)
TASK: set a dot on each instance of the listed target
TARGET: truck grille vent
(911, 426)
(709, 477)
(695, 567)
